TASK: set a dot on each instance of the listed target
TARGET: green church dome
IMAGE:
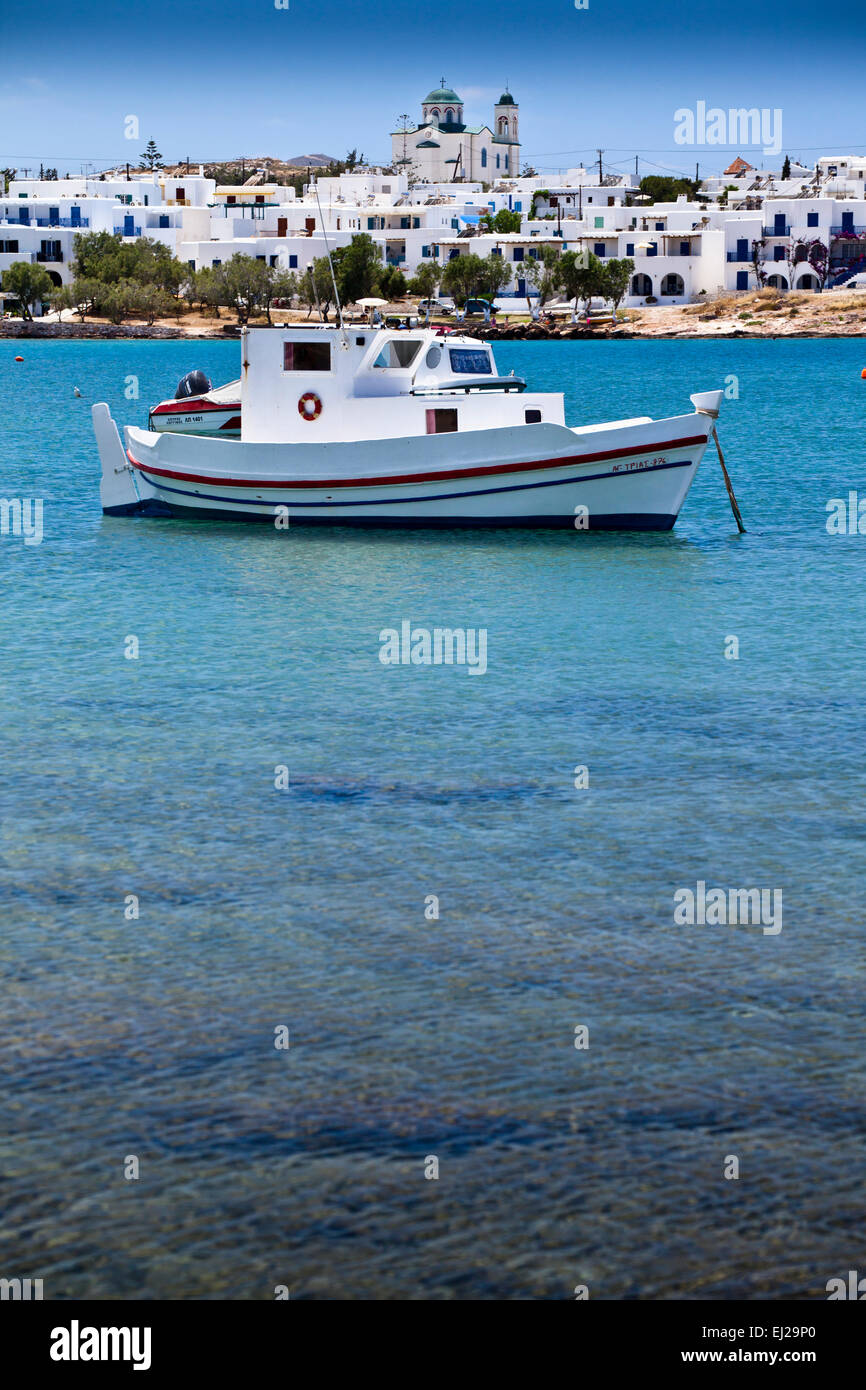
(506, 100)
(442, 94)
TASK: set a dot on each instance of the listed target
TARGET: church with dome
(442, 149)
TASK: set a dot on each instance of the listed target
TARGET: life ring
(310, 406)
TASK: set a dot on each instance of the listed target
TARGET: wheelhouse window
(306, 357)
(398, 352)
(441, 421)
(532, 417)
(469, 361)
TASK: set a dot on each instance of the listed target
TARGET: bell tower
(505, 119)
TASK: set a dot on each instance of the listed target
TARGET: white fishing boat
(197, 408)
(375, 427)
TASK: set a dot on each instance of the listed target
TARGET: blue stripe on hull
(621, 521)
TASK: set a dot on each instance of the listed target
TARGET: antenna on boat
(331, 267)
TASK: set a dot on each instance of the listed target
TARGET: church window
(483, 159)
(497, 161)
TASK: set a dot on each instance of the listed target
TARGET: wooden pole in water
(733, 501)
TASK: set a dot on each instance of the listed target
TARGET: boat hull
(629, 477)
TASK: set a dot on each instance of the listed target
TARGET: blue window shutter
(518, 253)
(812, 219)
(685, 248)
(293, 262)
(598, 249)
(629, 248)
(425, 251)
(742, 279)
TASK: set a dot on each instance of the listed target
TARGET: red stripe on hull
(443, 475)
(192, 407)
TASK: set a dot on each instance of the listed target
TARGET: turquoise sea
(304, 907)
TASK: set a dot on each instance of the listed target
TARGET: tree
(503, 221)
(247, 283)
(551, 274)
(152, 159)
(284, 285)
(758, 247)
(615, 279)
(494, 278)
(392, 282)
(316, 288)
(786, 167)
(30, 284)
(106, 257)
(530, 273)
(582, 276)
(462, 277)
(62, 297)
(425, 282)
(661, 188)
(358, 267)
(210, 288)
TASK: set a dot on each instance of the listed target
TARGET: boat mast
(331, 267)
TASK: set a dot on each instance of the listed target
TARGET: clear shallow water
(306, 908)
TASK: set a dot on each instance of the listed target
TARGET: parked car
(436, 307)
(478, 306)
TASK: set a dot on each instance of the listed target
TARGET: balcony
(739, 258)
(51, 257)
(123, 231)
(849, 231)
(776, 231)
(82, 224)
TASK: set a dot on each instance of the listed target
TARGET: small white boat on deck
(198, 409)
(374, 427)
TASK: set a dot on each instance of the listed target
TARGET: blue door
(129, 226)
(779, 224)
(53, 217)
(521, 287)
(742, 248)
(847, 221)
(742, 279)
(75, 214)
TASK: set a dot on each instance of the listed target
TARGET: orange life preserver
(308, 399)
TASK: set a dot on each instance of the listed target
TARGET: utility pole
(697, 173)
(600, 173)
(636, 174)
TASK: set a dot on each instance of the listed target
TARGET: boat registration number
(639, 463)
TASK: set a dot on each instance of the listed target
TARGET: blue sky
(220, 79)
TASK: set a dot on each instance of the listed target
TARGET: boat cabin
(319, 384)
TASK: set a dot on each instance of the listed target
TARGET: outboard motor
(193, 384)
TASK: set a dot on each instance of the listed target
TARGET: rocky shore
(764, 314)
